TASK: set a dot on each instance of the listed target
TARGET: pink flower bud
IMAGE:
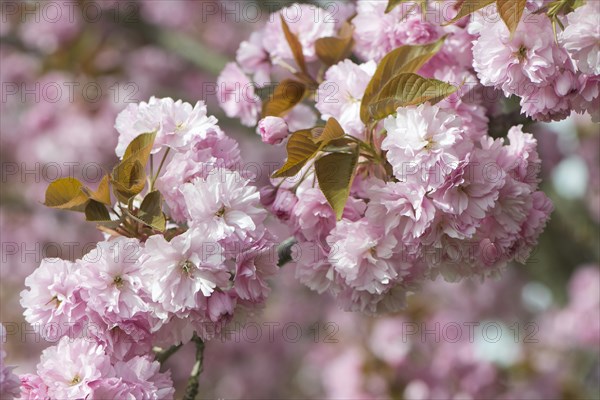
(272, 130)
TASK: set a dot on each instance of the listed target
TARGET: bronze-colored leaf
(408, 89)
(295, 45)
(511, 11)
(150, 211)
(128, 179)
(66, 194)
(332, 131)
(96, 212)
(300, 149)
(335, 173)
(102, 194)
(402, 59)
(286, 95)
(332, 50)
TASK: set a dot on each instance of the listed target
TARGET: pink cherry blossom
(223, 204)
(363, 255)
(52, 302)
(174, 272)
(377, 33)
(72, 368)
(581, 37)
(236, 96)
(341, 92)
(421, 136)
(176, 123)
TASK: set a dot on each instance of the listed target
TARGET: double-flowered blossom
(341, 92)
(176, 123)
(150, 284)
(377, 32)
(536, 66)
(81, 369)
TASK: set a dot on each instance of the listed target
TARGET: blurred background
(68, 67)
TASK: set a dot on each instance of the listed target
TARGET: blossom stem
(191, 390)
(163, 355)
(162, 162)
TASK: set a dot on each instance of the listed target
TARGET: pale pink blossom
(377, 33)
(223, 205)
(174, 272)
(176, 123)
(72, 368)
(253, 58)
(341, 92)
(313, 218)
(253, 266)
(581, 37)
(236, 95)
(33, 388)
(363, 255)
(112, 280)
(52, 300)
(401, 209)
(421, 136)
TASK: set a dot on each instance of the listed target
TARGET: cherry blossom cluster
(147, 286)
(432, 192)
(552, 74)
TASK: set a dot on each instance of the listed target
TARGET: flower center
(187, 266)
(55, 299)
(221, 212)
(521, 53)
(76, 379)
(118, 282)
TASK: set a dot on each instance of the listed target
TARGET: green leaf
(332, 131)
(402, 59)
(295, 45)
(66, 194)
(511, 11)
(286, 95)
(468, 7)
(300, 148)
(332, 50)
(335, 173)
(96, 212)
(408, 89)
(150, 211)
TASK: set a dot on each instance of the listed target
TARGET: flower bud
(272, 130)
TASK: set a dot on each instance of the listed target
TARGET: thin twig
(191, 390)
(163, 355)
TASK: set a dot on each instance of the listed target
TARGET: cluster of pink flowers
(552, 77)
(444, 197)
(453, 206)
(128, 294)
